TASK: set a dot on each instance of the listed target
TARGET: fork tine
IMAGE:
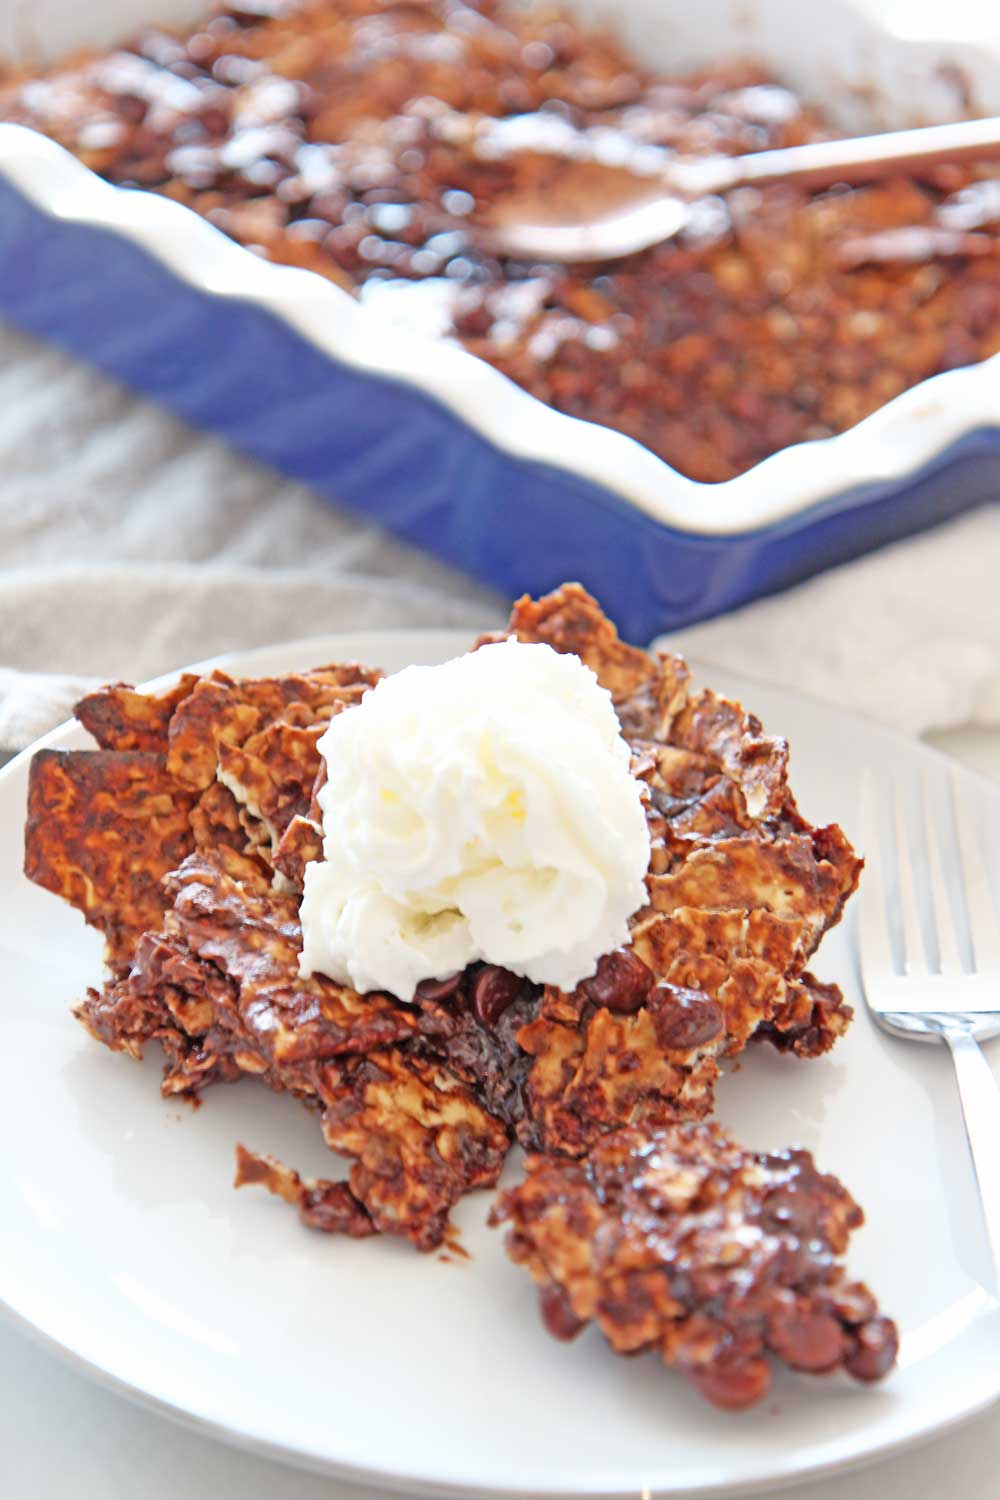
(876, 945)
(909, 912)
(944, 917)
(983, 927)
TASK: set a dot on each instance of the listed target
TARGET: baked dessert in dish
(186, 838)
(680, 1241)
(360, 140)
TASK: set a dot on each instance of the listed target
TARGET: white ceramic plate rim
(855, 1451)
(894, 442)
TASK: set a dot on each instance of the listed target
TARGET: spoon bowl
(581, 211)
(569, 206)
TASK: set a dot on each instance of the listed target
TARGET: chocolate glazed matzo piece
(190, 853)
(104, 827)
(678, 1241)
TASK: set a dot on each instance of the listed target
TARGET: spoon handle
(861, 159)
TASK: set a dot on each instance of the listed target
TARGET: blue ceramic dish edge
(151, 294)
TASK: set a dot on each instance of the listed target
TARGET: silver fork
(927, 979)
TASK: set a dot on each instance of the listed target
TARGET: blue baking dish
(419, 435)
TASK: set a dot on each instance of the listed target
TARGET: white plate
(122, 1243)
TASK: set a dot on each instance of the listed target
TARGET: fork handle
(979, 1092)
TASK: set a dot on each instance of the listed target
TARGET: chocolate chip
(131, 109)
(732, 1386)
(806, 1340)
(685, 1018)
(791, 1209)
(214, 120)
(874, 1347)
(854, 1303)
(438, 989)
(557, 1314)
(621, 983)
(493, 989)
(332, 1208)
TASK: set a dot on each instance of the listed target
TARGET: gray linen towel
(130, 545)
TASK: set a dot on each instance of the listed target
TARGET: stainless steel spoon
(582, 209)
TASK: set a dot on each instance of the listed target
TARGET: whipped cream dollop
(483, 809)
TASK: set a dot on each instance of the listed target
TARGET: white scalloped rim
(894, 442)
